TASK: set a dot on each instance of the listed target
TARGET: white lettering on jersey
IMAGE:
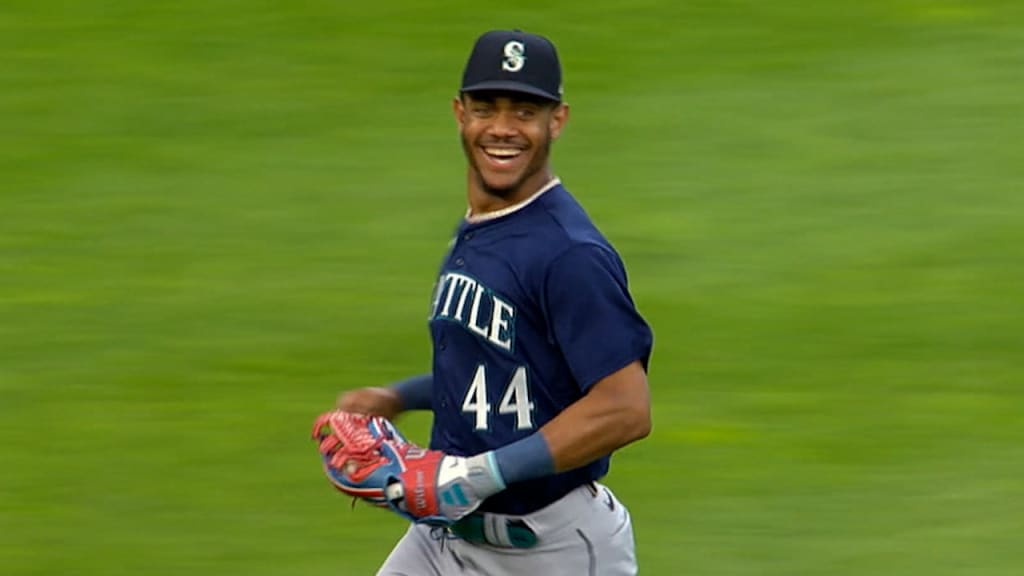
(474, 314)
(469, 285)
(489, 317)
(501, 317)
(445, 284)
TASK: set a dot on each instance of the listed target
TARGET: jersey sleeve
(591, 315)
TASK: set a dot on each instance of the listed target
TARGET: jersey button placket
(442, 343)
(459, 260)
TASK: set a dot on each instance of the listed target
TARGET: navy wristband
(525, 459)
(416, 393)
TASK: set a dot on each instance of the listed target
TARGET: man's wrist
(415, 393)
(525, 459)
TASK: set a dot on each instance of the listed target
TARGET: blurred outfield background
(216, 215)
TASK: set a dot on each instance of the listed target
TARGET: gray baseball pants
(587, 532)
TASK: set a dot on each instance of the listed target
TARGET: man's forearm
(415, 393)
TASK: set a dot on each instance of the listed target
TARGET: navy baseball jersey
(530, 310)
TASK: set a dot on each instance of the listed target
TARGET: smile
(502, 155)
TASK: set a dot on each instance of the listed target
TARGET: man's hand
(368, 458)
(359, 453)
(437, 488)
(373, 401)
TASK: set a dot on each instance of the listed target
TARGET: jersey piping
(476, 218)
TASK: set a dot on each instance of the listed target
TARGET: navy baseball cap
(514, 60)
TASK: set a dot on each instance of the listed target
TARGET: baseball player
(540, 356)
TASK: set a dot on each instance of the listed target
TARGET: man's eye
(526, 113)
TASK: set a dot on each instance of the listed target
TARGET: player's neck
(483, 204)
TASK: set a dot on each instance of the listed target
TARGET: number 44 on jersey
(515, 402)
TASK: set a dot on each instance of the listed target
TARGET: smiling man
(540, 356)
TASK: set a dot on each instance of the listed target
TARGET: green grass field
(214, 216)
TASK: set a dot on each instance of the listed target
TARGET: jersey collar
(487, 216)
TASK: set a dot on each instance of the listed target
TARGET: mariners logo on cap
(515, 56)
(498, 62)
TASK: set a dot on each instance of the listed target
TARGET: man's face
(507, 138)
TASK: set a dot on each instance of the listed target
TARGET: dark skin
(507, 138)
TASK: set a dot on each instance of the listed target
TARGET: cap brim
(506, 85)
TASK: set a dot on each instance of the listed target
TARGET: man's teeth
(503, 152)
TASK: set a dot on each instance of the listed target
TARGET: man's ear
(459, 110)
(558, 119)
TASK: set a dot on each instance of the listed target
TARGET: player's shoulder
(562, 224)
(552, 229)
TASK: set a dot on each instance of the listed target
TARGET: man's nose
(504, 124)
